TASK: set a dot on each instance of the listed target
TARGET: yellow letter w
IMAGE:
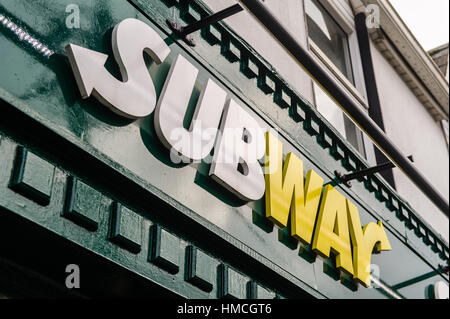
(286, 193)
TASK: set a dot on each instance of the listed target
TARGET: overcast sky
(427, 19)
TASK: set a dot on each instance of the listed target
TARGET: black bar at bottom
(366, 172)
(369, 171)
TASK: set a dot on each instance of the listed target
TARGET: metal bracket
(178, 30)
(444, 269)
(184, 32)
(346, 178)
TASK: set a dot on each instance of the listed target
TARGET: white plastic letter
(197, 142)
(240, 146)
(135, 97)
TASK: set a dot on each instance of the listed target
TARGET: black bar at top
(365, 123)
(213, 18)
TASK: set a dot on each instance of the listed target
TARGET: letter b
(239, 148)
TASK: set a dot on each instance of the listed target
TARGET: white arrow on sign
(135, 97)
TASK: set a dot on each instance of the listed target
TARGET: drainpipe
(369, 77)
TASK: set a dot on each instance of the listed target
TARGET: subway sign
(244, 158)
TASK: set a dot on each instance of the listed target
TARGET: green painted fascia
(314, 123)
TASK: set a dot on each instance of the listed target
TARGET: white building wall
(413, 130)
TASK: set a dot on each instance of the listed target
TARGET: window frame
(342, 13)
(343, 16)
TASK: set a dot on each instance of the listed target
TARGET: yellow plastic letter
(286, 193)
(363, 242)
(332, 233)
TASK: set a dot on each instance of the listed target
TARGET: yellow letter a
(332, 232)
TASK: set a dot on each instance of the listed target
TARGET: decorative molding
(124, 230)
(32, 177)
(396, 42)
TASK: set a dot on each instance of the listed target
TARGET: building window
(332, 45)
(334, 114)
(326, 33)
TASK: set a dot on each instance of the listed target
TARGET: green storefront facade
(81, 185)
